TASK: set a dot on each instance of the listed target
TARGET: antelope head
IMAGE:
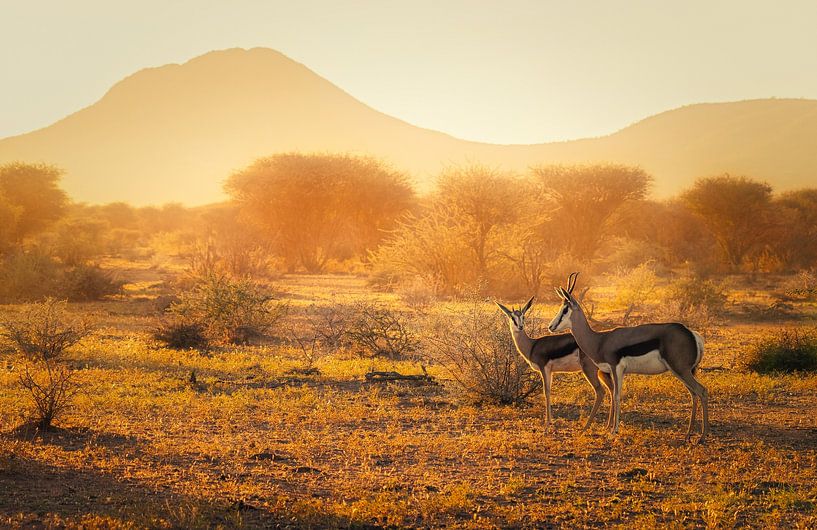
(516, 316)
(562, 319)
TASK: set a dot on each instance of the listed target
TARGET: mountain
(175, 132)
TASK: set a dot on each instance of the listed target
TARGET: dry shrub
(630, 253)
(42, 337)
(88, 282)
(27, 276)
(475, 347)
(634, 288)
(379, 331)
(560, 267)
(51, 388)
(45, 331)
(230, 310)
(431, 246)
(238, 256)
(321, 329)
(417, 292)
(330, 324)
(788, 351)
(803, 286)
(309, 347)
(33, 275)
(694, 301)
(179, 335)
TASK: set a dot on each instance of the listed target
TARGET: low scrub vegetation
(228, 310)
(180, 335)
(84, 283)
(34, 275)
(41, 338)
(475, 347)
(380, 331)
(790, 350)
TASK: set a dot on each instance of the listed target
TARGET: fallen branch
(397, 376)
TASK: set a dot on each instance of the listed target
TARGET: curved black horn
(571, 282)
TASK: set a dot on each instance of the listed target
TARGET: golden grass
(253, 443)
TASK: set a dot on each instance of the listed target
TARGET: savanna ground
(255, 441)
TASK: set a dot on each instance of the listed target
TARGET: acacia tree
(670, 229)
(794, 228)
(9, 214)
(318, 205)
(30, 196)
(481, 199)
(735, 210)
(586, 200)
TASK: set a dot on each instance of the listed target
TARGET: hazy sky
(504, 72)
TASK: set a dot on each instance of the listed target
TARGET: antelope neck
(586, 338)
(523, 343)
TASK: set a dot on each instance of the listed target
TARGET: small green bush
(789, 351)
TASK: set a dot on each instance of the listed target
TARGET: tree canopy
(321, 206)
(30, 198)
(586, 199)
(735, 210)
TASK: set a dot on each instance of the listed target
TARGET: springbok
(646, 349)
(555, 353)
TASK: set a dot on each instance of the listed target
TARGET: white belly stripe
(568, 363)
(604, 367)
(649, 363)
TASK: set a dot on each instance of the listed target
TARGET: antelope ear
(566, 296)
(559, 292)
(503, 308)
(527, 305)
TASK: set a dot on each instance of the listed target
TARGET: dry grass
(253, 443)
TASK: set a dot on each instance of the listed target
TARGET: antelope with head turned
(645, 349)
(555, 353)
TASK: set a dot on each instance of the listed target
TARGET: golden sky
(502, 72)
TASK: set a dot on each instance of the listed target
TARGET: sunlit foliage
(31, 197)
(319, 207)
(736, 210)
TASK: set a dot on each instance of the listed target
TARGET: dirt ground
(256, 443)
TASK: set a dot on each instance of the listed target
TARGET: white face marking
(650, 363)
(518, 321)
(562, 320)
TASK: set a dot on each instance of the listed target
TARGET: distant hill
(175, 132)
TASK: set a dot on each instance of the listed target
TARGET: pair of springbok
(605, 356)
